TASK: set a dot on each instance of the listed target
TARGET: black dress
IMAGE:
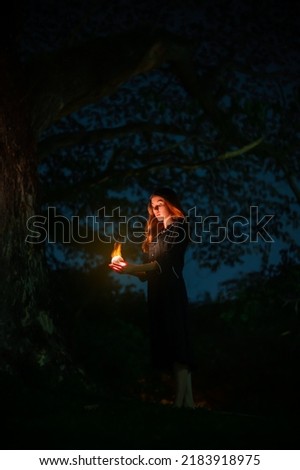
(167, 299)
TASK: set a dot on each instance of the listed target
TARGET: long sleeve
(169, 247)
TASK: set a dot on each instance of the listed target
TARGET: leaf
(46, 322)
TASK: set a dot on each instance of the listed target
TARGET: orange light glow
(116, 255)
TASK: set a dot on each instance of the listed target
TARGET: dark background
(246, 328)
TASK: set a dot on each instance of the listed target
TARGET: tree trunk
(22, 267)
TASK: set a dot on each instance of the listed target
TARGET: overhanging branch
(52, 144)
(115, 173)
(197, 165)
(61, 83)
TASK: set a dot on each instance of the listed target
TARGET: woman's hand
(139, 270)
(123, 268)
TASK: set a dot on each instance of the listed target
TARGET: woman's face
(160, 209)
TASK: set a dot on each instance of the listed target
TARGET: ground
(67, 422)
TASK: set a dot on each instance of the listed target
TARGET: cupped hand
(122, 267)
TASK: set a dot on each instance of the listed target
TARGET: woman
(164, 247)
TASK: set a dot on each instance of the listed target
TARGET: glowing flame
(117, 250)
(116, 255)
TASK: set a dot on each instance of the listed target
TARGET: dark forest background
(101, 102)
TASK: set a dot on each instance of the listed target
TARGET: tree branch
(51, 144)
(110, 173)
(62, 82)
(195, 166)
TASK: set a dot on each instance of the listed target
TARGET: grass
(45, 421)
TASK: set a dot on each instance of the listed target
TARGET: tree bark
(23, 272)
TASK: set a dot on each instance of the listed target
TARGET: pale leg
(188, 398)
(184, 394)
